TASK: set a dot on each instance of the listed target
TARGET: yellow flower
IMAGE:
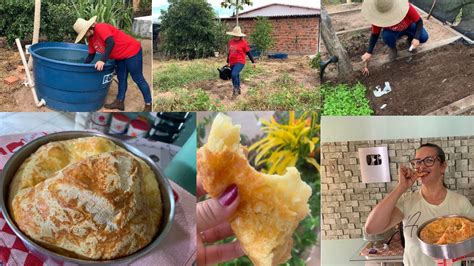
(284, 144)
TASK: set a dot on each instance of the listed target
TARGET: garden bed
(428, 82)
(435, 77)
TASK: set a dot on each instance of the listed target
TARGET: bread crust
(100, 203)
(270, 207)
(447, 230)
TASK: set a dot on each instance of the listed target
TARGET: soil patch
(296, 67)
(18, 98)
(428, 82)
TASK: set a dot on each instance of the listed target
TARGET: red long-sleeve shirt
(125, 45)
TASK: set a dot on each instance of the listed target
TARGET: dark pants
(236, 69)
(134, 66)
(390, 37)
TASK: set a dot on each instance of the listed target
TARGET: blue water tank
(65, 82)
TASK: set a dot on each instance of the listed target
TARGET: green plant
(117, 13)
(262, 35)
(344, 100)
(185, 100)
(314, 63)
(16, 20)
(188, 29)
(57, 22)
(237, 5)
(286, 143)
(222, 39)
(175, 76)
(145, 5)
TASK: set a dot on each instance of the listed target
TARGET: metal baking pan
(448, 251)
(21, 155)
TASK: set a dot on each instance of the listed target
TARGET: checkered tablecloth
(12, 250)
(178, 248)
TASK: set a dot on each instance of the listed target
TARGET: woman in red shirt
(238, 48)
(394, 18)
(124, 49)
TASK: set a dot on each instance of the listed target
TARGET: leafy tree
(189, 29)
(262, 35)
(237, 5)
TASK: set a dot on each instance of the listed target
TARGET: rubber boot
(392, 54)
(235, 93)
(147, 108)
(117, 104)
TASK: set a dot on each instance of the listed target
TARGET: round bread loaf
(86, 198)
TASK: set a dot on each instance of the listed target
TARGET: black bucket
(225, 73)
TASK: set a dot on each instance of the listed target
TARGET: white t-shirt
(416, 211)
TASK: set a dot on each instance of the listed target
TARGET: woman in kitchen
(414, 208)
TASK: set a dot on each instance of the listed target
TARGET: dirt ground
(356, 42)
(428, 82)
(18, 98)
(296, 66)
(420, 84)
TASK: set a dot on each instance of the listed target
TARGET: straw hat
(385, 13)
(82, 26)
(237, 31)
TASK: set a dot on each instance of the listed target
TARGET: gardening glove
(99, 65)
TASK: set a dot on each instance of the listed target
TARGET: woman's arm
(89, 58)
(249, 54)
(419, 27)
(386, 214)
(372, 42)
(109, 45)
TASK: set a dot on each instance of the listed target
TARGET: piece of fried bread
(271, 206)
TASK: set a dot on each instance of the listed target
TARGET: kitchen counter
(352, 252)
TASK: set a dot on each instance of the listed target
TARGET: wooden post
(36, 28)
(237, 12)
(334, 47)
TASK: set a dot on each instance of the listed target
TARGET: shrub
(188, 29)
(17, 20)
(58, 17)
(344, 100)
(262, 35)
(314, 63)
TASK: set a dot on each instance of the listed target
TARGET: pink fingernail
(229, 195)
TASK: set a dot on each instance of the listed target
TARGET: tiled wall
(346, 201)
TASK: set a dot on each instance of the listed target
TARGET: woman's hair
(439, 151)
